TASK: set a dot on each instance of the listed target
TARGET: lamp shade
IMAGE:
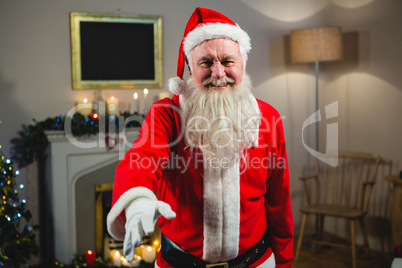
(316, 44)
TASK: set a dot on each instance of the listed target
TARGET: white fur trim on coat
(269, 263)
(257, 109)
(115, 221)
(221, 208)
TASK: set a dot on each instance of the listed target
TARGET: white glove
(141, 216)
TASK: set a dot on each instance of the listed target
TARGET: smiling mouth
(218, 86)
(219, 83)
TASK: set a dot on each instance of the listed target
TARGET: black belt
(179, 258)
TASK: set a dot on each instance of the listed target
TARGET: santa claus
(216, 157)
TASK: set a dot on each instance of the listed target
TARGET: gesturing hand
(141, 216)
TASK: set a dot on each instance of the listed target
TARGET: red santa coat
(216, 218)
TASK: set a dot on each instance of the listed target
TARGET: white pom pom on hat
(177, 85)
(205, 24)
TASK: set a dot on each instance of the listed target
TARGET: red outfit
(159, 161)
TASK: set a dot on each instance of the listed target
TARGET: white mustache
(221, 82)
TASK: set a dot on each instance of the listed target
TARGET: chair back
(350, 183)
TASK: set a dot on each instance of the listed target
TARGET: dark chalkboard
(116, 51)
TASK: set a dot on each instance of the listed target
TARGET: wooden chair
(341, 191)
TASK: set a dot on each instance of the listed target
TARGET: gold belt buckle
(221, 264)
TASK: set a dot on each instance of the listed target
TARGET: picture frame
(115, 51)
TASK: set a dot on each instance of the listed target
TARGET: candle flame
(117, 253)
(135, 95)
(156, 243)
(145, 91)
(112, 98)
(149, 248)
(85, 100)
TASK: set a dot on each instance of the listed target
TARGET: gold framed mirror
(115, 51)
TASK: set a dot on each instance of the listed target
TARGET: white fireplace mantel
(67, 162)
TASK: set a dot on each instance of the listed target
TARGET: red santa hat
(206, 24)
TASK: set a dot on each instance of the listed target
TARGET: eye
(205, 64)
(228, 63)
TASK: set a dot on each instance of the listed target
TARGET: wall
(35, 75)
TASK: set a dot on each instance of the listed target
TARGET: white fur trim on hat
(213, 31)
(177, 85)
(115, 220)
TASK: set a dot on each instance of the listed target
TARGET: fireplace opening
(93, 202)
(85, 206)
(85, 197)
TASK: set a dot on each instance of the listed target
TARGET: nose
(218, 70)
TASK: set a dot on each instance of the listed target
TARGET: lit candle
(113, 106)
(135, 96)
(116, 257)
(134, 263)
(90, 257)
(146, 100)
(148, 254)
(164, 94)
(84, 107)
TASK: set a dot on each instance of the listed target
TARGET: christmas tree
(16, 244)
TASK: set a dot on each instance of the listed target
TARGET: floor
(334, 257)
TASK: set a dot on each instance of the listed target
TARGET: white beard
(219, 122)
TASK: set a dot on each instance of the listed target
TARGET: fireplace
(72, 173)
(105, 245)
(93, 201)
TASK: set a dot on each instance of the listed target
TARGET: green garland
(33, 140)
